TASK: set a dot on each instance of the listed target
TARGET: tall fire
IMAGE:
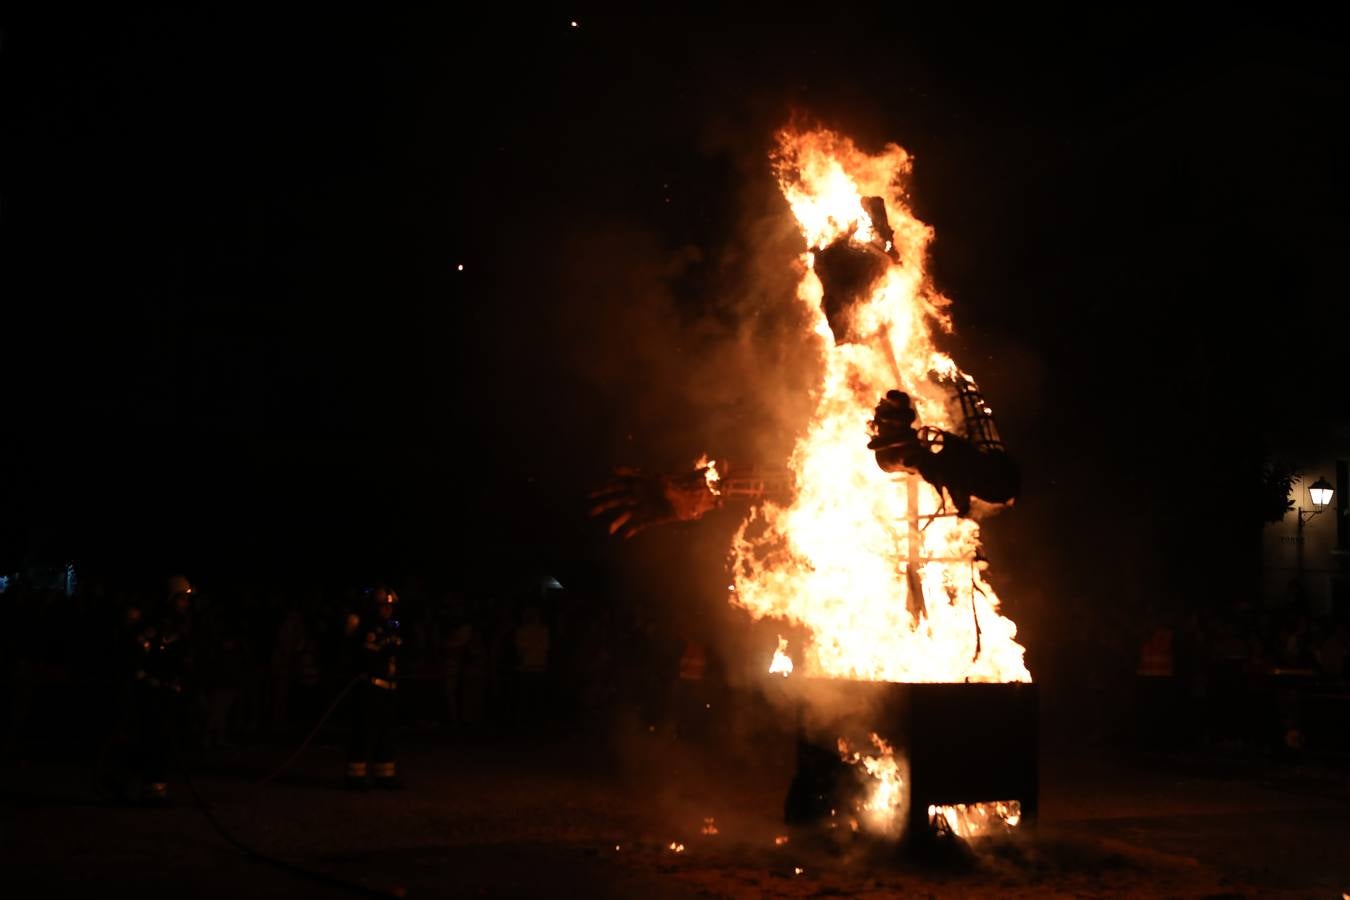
(878, 568)
(839, 558)
(870, 550)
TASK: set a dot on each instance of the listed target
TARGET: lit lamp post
(1319, 493)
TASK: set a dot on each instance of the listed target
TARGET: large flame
(834, 560)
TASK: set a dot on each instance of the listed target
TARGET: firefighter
(162, 659)
(374, 641)
(1156, 688)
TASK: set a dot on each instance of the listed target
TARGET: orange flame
(782, 663)
(972, 820)
(883, 810)
(710, 473)
(834, 560)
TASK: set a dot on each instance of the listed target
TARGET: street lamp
(1320, 492)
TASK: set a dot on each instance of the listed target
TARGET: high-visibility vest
(693, 662)
(1155, 657)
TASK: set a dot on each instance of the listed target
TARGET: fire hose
(332, 707)
(292, 868)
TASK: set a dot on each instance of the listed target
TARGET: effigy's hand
(634, 501)
(895, 441)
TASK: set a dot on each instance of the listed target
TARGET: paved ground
(522, 818)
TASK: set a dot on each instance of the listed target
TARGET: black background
(236, 337)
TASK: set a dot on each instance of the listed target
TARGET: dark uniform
(161, 655)
(374, 644)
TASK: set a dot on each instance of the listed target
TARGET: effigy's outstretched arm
(634, 501)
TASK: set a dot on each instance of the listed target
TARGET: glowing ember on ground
(709, 825)
(780, 840)
(797, 870)
(678, 848)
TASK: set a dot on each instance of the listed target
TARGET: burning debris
(972, 820)
(936, 746)
(709, 825)
(883, 805)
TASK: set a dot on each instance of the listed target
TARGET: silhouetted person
(533, 643)
(458, 634)
(1156, 693)
(692, 697)
(1333, 652)
(285, 666)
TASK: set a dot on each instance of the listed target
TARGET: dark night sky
(235, 331)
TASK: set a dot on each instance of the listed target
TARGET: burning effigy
(918, 703)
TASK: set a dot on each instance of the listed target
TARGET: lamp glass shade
(1321, 491)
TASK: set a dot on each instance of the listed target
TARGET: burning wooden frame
(966, 753)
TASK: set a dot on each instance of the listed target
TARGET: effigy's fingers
(604, 503)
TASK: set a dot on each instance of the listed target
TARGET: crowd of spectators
(267, 660)
(1259, 678)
